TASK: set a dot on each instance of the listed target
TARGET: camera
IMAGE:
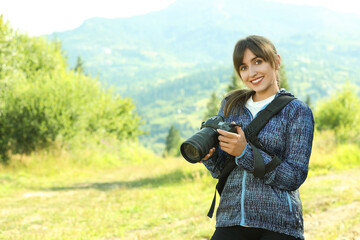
(197, 146)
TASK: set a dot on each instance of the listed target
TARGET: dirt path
(334, 217)
(339, 218)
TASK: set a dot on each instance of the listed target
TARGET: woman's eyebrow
(250, 60)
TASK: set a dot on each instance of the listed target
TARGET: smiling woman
(257, 63)
(259, 75)
(265, 206)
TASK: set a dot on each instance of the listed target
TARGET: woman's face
(258, 75)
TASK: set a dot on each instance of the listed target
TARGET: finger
(224, 139)
(226, 149)
(237, 127)
(224, 145)
(229, 142)
(226, 133)
(238, 130)
(228, 137)
(207, 156)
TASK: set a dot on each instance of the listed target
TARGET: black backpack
(251, 132)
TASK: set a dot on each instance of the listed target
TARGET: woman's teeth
(257, 80)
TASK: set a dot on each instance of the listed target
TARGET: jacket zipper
(242, 221)
(289, 201)
(243, 189)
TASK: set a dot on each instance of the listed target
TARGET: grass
(148, 199)
(332, 206)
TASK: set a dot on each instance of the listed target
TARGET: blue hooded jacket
(271, 203)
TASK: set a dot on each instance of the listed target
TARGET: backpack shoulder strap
(253, 129)
(263, 117)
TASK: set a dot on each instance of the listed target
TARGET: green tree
(340, 113)
(284, 83)
(172, 142)
(79, 67)
(235, 83)
(308, 101)
(212, 107)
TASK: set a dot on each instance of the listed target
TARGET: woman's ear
(278, 62)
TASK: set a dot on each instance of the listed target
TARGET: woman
(270, 207)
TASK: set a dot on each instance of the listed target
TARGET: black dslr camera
(196, 147)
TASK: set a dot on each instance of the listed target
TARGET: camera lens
(191, 152)
(196, 147)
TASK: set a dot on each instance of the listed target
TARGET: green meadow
(127, 192)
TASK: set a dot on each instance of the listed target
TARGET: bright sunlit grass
(126, 192)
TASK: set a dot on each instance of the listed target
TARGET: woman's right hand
(211, 152)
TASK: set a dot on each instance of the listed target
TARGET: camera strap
(251, 132)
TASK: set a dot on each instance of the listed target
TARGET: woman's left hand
(232, 143)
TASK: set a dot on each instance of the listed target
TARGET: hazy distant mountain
(170, 61)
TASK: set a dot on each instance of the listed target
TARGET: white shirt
(255, 107)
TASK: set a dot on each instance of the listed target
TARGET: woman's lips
(257, 80)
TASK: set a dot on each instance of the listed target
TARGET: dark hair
(261, 47)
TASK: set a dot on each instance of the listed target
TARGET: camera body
(217, 122)
(197, 146)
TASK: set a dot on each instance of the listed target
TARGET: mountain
(171, 60)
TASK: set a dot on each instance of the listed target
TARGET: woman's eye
(242, 68)
(258, 62)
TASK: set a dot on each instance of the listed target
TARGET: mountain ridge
(146, 56)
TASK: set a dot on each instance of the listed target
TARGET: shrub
(340, 113)
(41, 100)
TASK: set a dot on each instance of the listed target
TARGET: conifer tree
(172, 142)
(235, 83)
(212, 106)
(308, 101)
(79, 67)
(284, 83)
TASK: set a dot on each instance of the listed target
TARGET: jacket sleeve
(293, 169)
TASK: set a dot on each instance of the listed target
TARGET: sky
(38, 17)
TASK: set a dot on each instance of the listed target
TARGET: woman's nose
(252, 71)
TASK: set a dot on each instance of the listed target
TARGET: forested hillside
(170, 61)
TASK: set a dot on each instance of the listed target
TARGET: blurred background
(97, 96)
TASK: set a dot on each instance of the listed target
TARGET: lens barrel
(197, 146)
